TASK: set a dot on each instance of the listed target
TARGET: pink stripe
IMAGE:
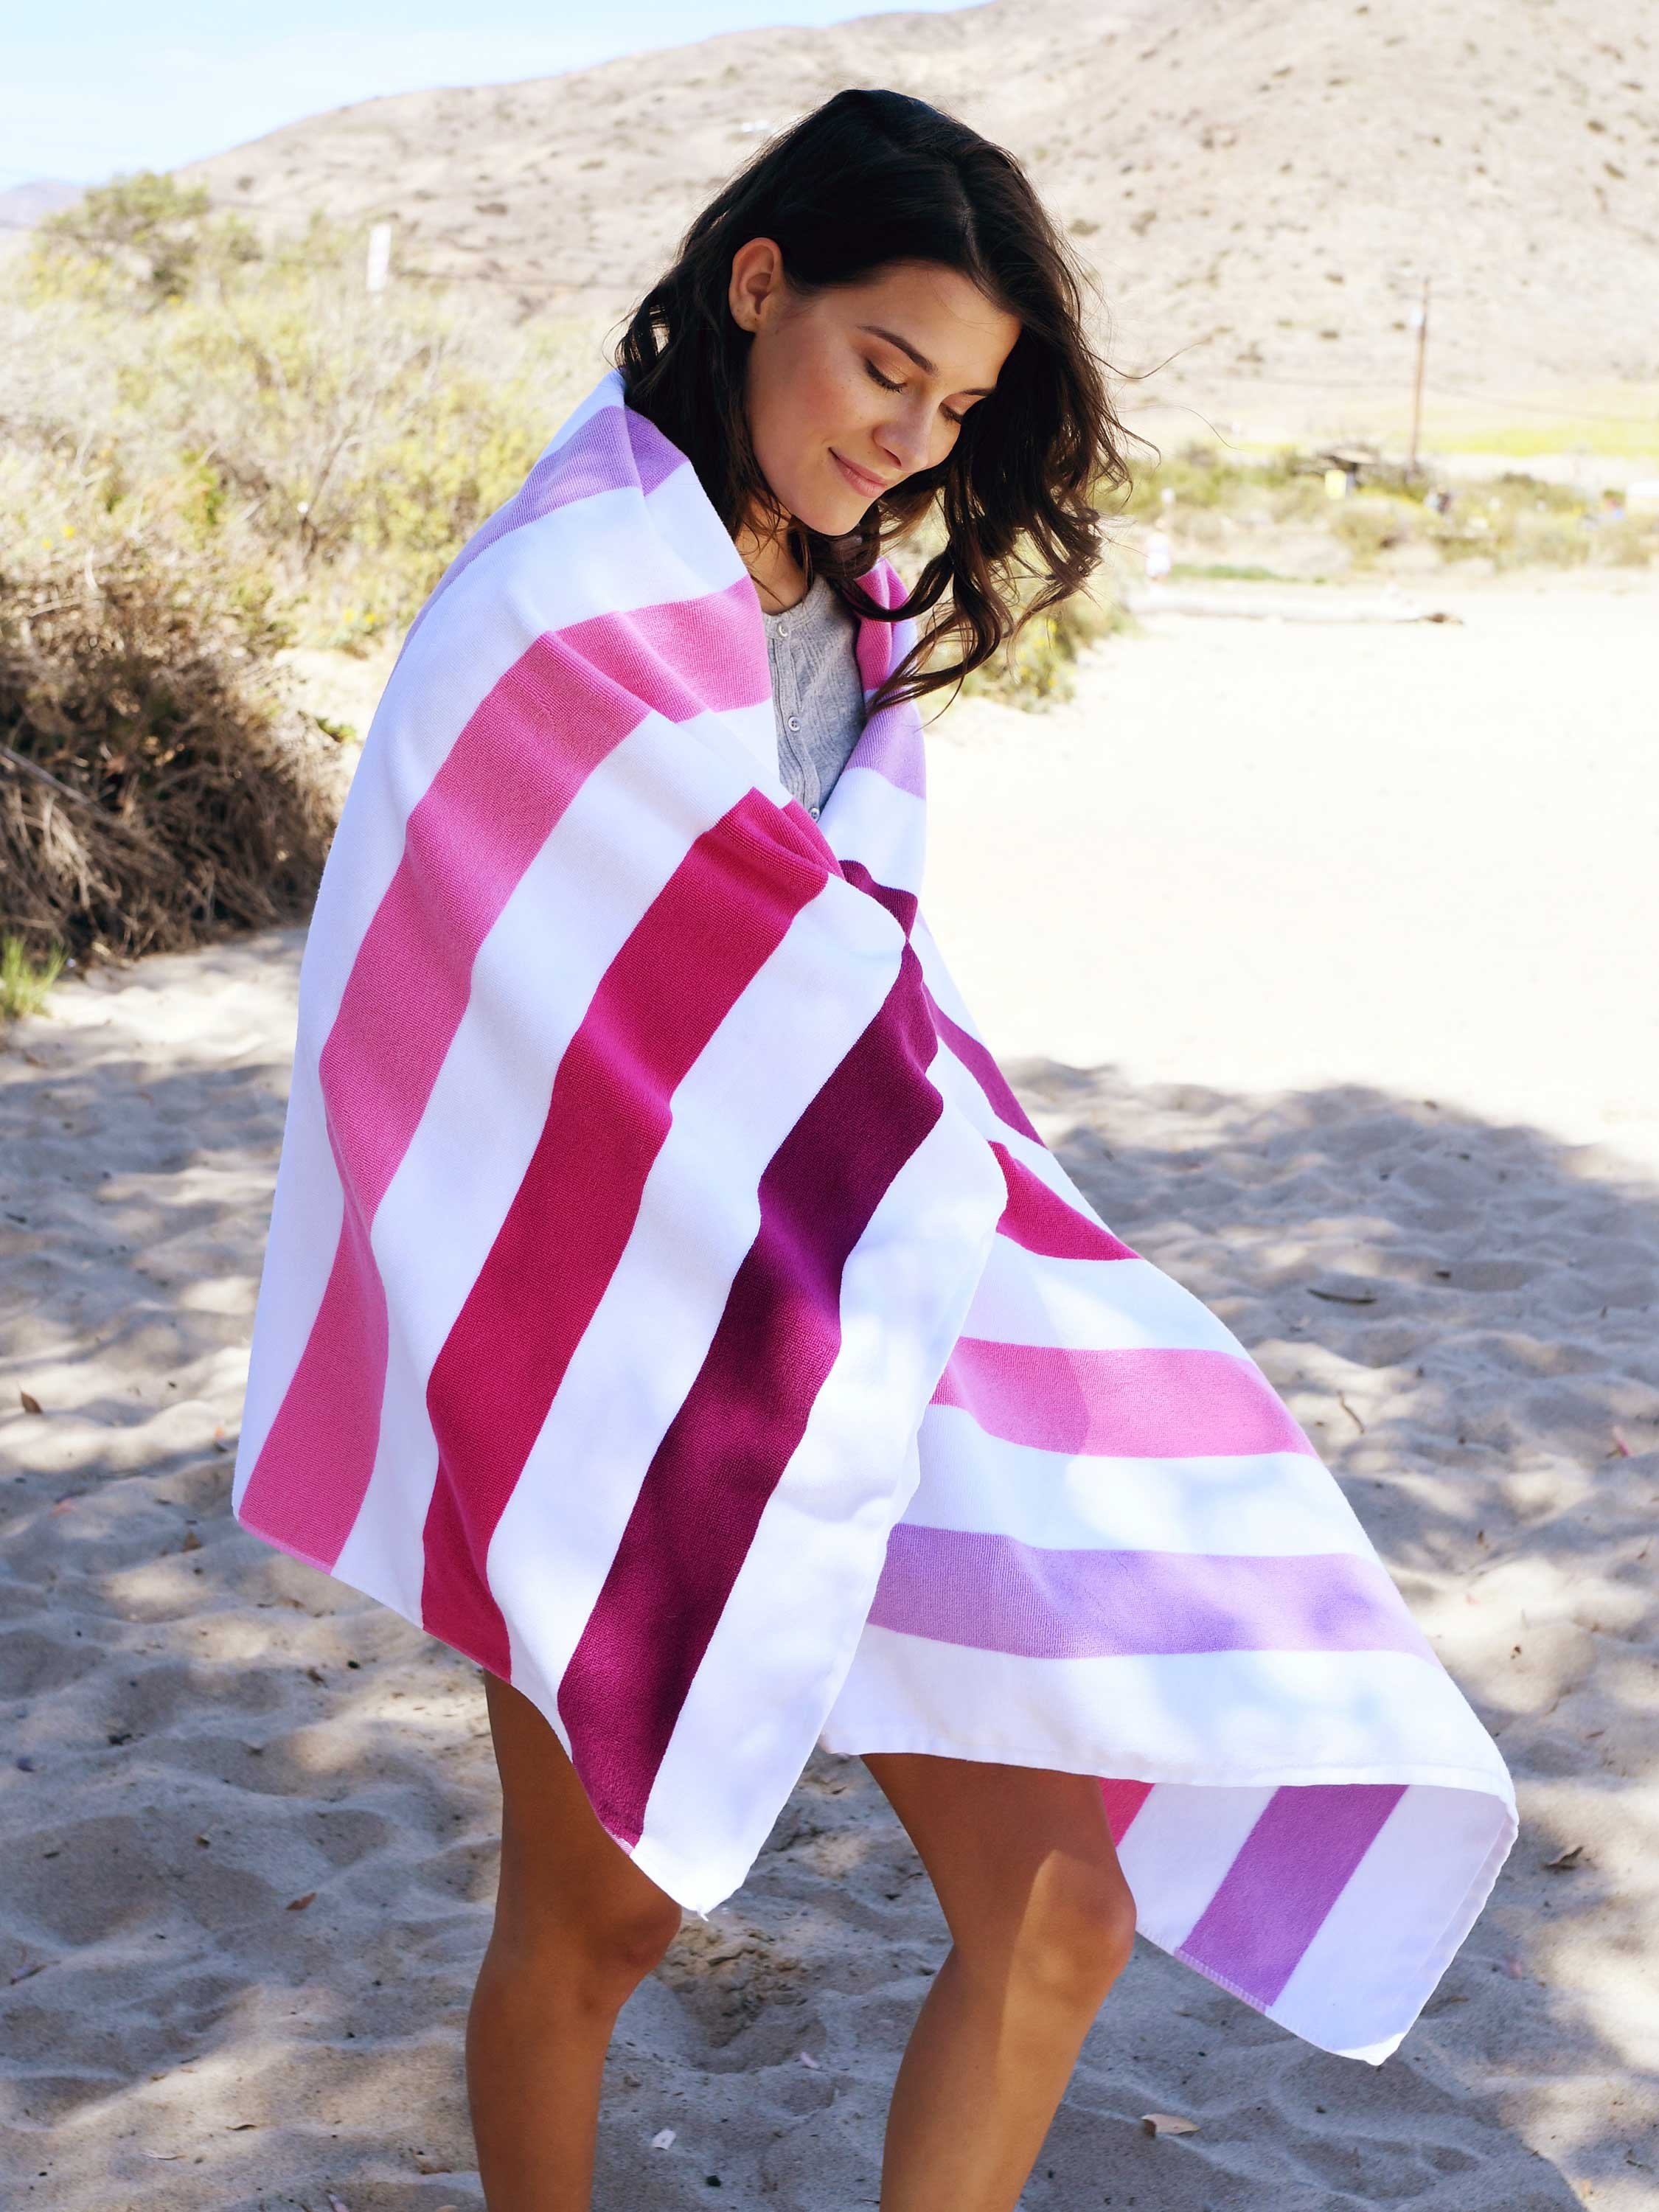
(495, 799)
(1142, 1403)
(984, 1070)
(681, 657)
(721, 914)
(1039, 1219)
(1122, 1801)
(1294, 1863)
(313, 1467)
(493, 802)
(729, 1444)
(990, 1593)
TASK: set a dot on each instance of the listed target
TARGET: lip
(860, 479)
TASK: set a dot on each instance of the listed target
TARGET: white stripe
(1393, 1930)
(940, 982)
(806, 1585)
(869, 819)
(1090, 1305)
(623, 834)
(807, 1004)
(1233, 1719)
(1266, 1504)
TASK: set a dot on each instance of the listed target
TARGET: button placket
(788, 702)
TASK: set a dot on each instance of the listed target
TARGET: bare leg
(577, 1929)
(1041, 1923)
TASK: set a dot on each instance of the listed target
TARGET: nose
(904, 438)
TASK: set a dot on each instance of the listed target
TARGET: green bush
(23, 983)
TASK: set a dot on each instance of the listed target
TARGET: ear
(756, 279)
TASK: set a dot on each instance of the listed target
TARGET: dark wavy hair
(867, 179)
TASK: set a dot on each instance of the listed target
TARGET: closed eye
(887, 384)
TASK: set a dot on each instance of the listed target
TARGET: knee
(594, 1959)
(619, 1949)
(1077, 1935)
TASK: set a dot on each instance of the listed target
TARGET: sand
(1317, 948)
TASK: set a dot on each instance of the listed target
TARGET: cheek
(801, 401)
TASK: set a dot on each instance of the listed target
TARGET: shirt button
(783, 629)
(813, 811)
(794, 723)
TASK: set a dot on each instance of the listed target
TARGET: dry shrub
(154, 789)
(211, 448)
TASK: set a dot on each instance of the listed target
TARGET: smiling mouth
(860, 477)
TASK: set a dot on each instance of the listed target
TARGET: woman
(832, 361)
(669, 1305)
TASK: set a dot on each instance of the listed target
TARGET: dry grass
(154, 788)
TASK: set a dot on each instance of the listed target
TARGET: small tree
(148, 230)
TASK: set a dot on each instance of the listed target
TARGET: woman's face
(864, 385)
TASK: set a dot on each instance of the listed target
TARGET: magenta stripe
(984, 1070)
(1122, 1801)
(1040, 1221)
(902, 905)
(699, 945)
(994, 1594)
(1141, 1403)
(726, 1448)
(493, 802)
(1294, 1863)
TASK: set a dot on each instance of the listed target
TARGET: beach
(1316, 932)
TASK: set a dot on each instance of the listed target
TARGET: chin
(833, 512)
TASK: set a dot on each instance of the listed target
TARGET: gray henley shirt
(817, 691)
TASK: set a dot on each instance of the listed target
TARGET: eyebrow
(977, 390)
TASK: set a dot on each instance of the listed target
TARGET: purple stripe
(655, 457)
(994, 1594)
(891, 744)
(727, 1447)
(1294, 1863)
(600, 456)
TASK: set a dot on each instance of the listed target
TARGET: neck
(779, 577)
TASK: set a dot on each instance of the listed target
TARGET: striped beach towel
(669, 1305)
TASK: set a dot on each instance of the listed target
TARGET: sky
(90, 89)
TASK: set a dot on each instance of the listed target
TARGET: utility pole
(1420, 322)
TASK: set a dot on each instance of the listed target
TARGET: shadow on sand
(249, 1817)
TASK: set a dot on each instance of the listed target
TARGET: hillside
(21, 206)
(1261, 187)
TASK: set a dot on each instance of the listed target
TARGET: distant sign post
(378, 266)
(1420, 324)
